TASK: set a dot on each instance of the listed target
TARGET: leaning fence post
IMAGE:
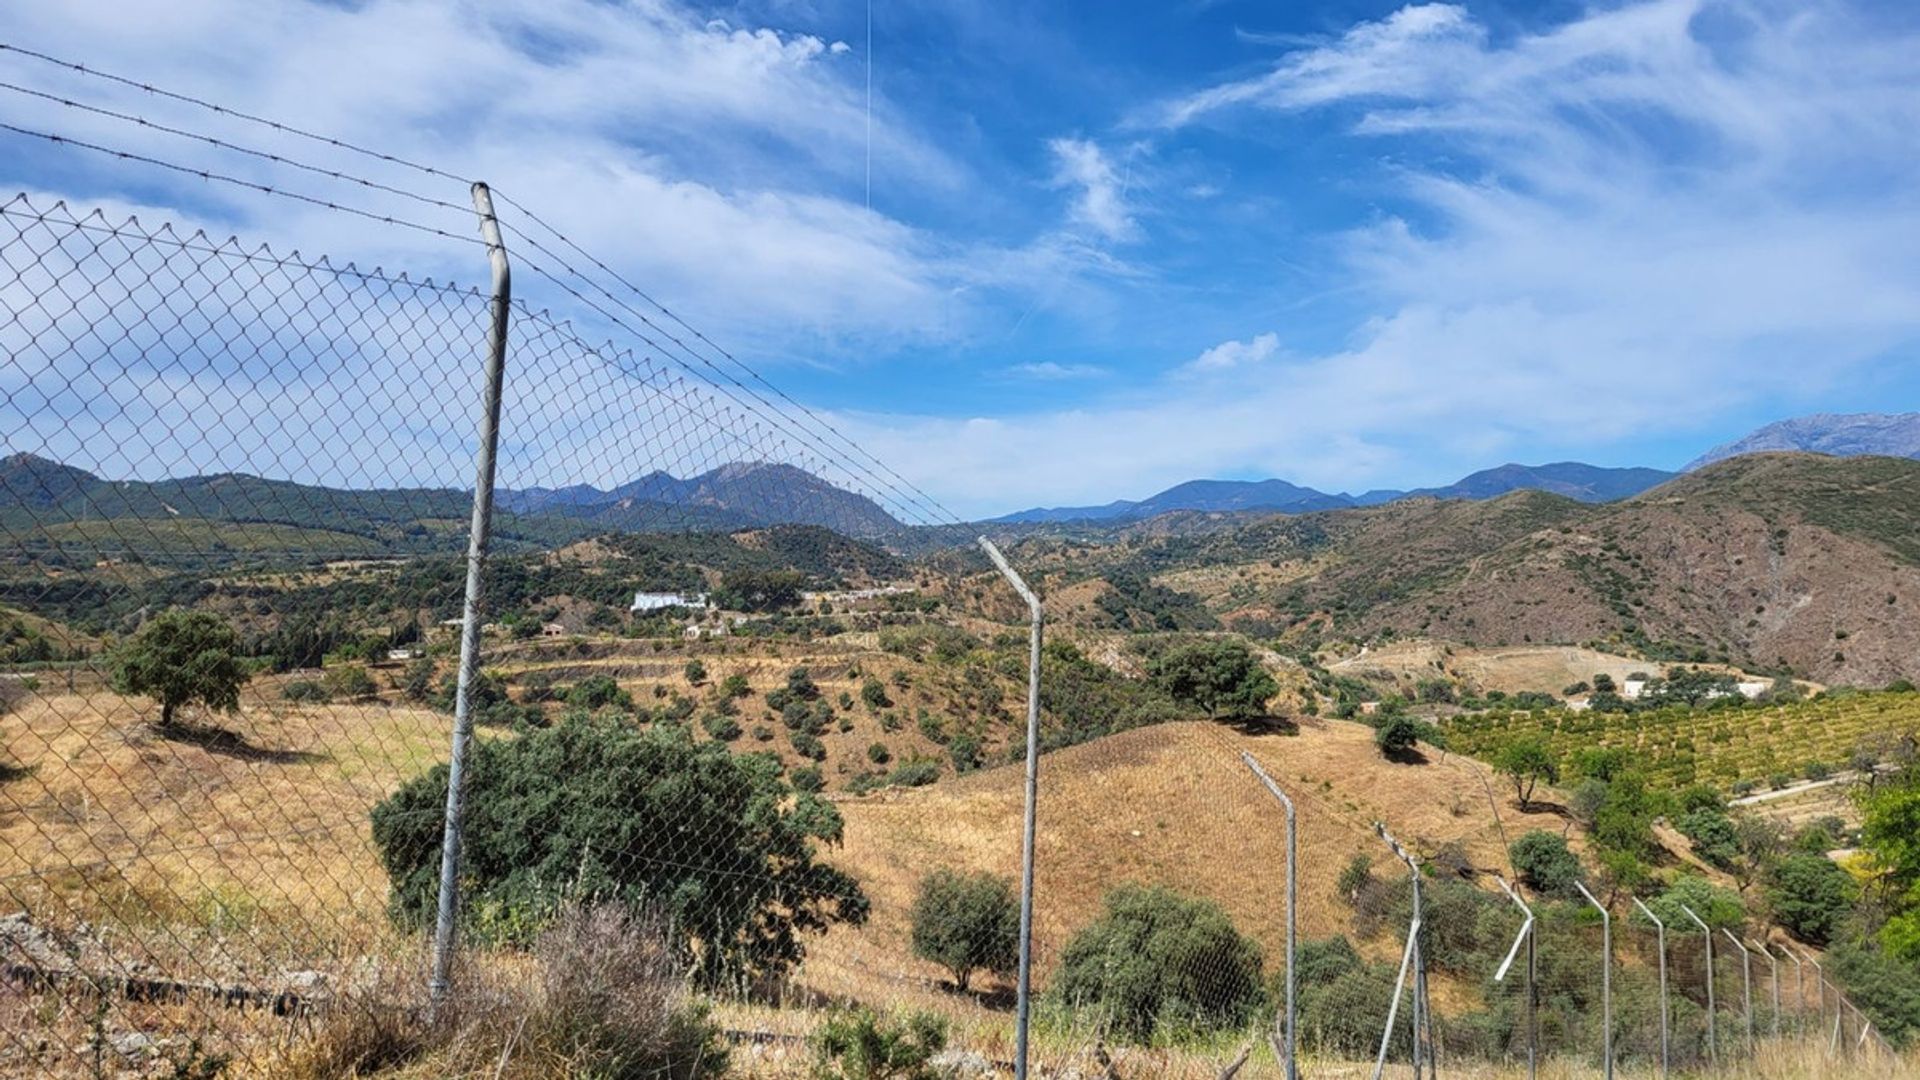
(1291, 1043)
(447, 916)
(1023, 998)
(1746, 984)
(1606, 977)
(1420, 1017)
(1706, 935)
(1526, 935)
(1665, 1038)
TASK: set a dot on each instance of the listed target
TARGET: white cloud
(1234, 354)
(1100, 200)
(720, 165)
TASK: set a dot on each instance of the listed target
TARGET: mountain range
(1833, 434)
(46, 503)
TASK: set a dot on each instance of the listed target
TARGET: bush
(964, 752)
(878, 753)
(350, 682)
(808, 745)
(613, 1004)
(695, 672)
(597, 692)
(1157, 959)
(305, 690)
(918, 772)
(1397, 735)
(720, 726)
(1810, 896)
(1716, 906)
(1544, 863)
(593, 807)
(874, 693)
(861, 1045)
(965, 923)
(734, 686)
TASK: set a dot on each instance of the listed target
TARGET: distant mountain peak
(1834, 434)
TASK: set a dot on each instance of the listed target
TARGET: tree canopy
(1156, 957)
(1219, 676)
(593, 808)
(965, 923)
(183, 657)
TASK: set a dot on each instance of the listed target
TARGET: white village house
(659, 601)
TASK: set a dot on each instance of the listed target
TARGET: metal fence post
(1606, 977)
(1291, 1043)
(447, 917)
(1706, 935)
(1419, 1009)
(1773, 968)
(1799, 992)
(1525, 935)
(1746, 985)
(1023, 1000)
(1820, 1001)
(1665, 1013)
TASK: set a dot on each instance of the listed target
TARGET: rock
(962, 1065)
(132, 1044)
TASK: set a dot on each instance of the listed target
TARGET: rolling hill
(1774, 562)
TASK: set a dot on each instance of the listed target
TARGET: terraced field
(1680, 746)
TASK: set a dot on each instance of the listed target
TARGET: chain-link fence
(731, 796)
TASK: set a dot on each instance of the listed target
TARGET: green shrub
(1219, 676)
(878, 753)
(722, 727)
(1396, 735)
(350, 681)
(874, 693)
(593, 807)
(1158, 960)
(598, 691)
(1544, 863)
(305, 690)
(862, 1045)
(1810, 896)
(966, 923)
(917, 772)
(695, 672)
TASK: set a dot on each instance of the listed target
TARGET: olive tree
(180, 658)
(966, 923)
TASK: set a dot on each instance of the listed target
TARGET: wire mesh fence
(700, 827)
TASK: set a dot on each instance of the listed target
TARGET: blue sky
(1109, 246)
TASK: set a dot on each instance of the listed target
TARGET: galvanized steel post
(1706, 934)
(1746, 984)
(1290, 1043)
(1023, 999)
(1665, 1038)
(446, 920)
(1606, 977)
(1773, 968)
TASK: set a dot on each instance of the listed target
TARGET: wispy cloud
(1054, 371)
(1100, 195)
(1630, 223)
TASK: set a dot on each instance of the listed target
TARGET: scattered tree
(1397, 735)
(966, 923)
(695, 671)
(1810, 896)
(183, 657)
(1219, 676)
(1527, 763)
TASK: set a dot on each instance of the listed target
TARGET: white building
(1631, 689)
(658, 601)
